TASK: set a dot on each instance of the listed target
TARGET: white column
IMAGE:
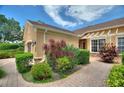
(116, 31)
(109, 35)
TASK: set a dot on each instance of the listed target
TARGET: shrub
(116, 76)
(21, 47)
(52, 62)
(75, 51)
(64, 64)
(9, 53)
(6, 46)
(123, 58)
(41, 71)
(2, 73)
(54, 50)
(108, 52)
(5, 54)
(83, 56)
(22, 62)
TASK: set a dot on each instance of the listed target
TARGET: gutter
(55, 30)
(80, 35)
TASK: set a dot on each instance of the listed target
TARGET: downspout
(44, 57)
(45, 35)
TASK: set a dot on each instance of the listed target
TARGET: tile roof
(111, 23)
(46, 25)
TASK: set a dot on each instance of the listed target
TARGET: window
(94, 45)
(97, 44)
(121, 44)
(101, 43)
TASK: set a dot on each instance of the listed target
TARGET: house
(91, 38)
(36, 34)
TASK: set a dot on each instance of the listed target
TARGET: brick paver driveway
(91, 75)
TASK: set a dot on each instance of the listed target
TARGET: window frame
(97, 44)
(117, 38)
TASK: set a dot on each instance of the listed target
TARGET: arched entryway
(29, 46)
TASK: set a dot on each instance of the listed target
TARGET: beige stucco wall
(39, 43)
(29, 32)
(113, 39)
(121, 30)
(71, 40)
(88, 44)
(29, 35)
(40, 40)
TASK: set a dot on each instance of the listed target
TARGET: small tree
(108, 52)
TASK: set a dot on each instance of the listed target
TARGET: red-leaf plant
(108, 52)
(54, 50)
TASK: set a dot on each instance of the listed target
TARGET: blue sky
(67, 17)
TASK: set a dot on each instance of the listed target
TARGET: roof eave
(80, 35)
(54, 30)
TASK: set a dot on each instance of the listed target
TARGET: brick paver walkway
(91, 75)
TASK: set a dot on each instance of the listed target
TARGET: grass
(15, 51)
(28, 77)
(55, 76)
(2, 73)
(9, 53)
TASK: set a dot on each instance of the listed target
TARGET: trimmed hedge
(9, 50)
(123, 58)
(9, 53)
(116, 76)
(74, 50)
(7, 46)
(41, 71)
(22, 62)
(5, 54)
(2, 73)
(83, 56)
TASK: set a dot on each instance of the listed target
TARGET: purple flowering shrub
(54, 50)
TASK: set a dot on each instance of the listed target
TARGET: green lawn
(28, 77)
(2, 73)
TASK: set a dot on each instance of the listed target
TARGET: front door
(82, 43)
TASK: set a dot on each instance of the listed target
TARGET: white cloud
(53, 12)
(88, 13)
(79, 13)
